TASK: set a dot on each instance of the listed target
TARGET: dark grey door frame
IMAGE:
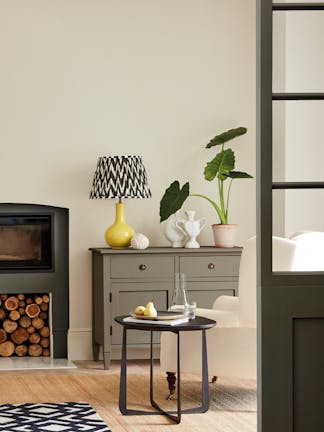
(290, 305)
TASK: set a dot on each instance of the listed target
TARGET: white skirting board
(135, 353)
(80, 347)
(22, 363)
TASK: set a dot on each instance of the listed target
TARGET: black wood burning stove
(26, 242)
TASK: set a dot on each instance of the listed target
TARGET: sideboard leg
(95, 351)
(106, 359)
(171, 377)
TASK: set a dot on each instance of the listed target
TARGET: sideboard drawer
(210, 266)
(205, 293)
(142, 266)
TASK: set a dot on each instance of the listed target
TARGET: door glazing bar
(297, 6)
(298, 185)
(297, 96)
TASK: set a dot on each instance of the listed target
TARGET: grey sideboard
(125, 278)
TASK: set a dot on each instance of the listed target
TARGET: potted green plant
(222, 169)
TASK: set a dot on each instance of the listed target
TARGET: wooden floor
(90, 383)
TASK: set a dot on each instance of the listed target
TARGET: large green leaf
(226, 136)
(173, 199)
(238, 175)
(222, 164)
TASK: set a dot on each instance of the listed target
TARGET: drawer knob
(211, 266)
(142, 267)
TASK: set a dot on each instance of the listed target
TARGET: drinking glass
(192, 310)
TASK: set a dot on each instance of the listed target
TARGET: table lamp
(120, 177)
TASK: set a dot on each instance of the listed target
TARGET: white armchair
(309, 251)
(231, 344)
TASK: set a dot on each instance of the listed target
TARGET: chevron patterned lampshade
(120, 177)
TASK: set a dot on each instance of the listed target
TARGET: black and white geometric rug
(51, 417)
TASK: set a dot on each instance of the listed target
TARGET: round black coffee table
(199, 323)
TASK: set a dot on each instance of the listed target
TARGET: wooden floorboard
(90, 383)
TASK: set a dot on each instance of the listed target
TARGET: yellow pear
(150, 310)
(140, 310)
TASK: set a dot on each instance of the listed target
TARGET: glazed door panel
(290, 304)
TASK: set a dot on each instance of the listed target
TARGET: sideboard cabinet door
(125, 298)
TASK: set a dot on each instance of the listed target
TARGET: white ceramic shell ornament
(139, 241)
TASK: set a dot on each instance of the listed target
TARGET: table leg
(179, 378)
(123, 376)
(170, 414)
(151, 369)
(123, 381)
(204, 387)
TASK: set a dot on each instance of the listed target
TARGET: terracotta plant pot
(224, 235)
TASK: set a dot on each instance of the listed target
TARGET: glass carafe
(180, 299)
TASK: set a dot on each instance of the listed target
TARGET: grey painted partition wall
(290, 305)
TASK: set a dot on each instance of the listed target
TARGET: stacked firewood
(24, 328)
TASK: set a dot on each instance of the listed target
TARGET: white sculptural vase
(191, 228)
(173, 233)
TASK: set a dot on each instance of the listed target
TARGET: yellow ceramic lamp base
(119, 234)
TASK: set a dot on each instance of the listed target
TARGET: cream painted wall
(159, 78)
